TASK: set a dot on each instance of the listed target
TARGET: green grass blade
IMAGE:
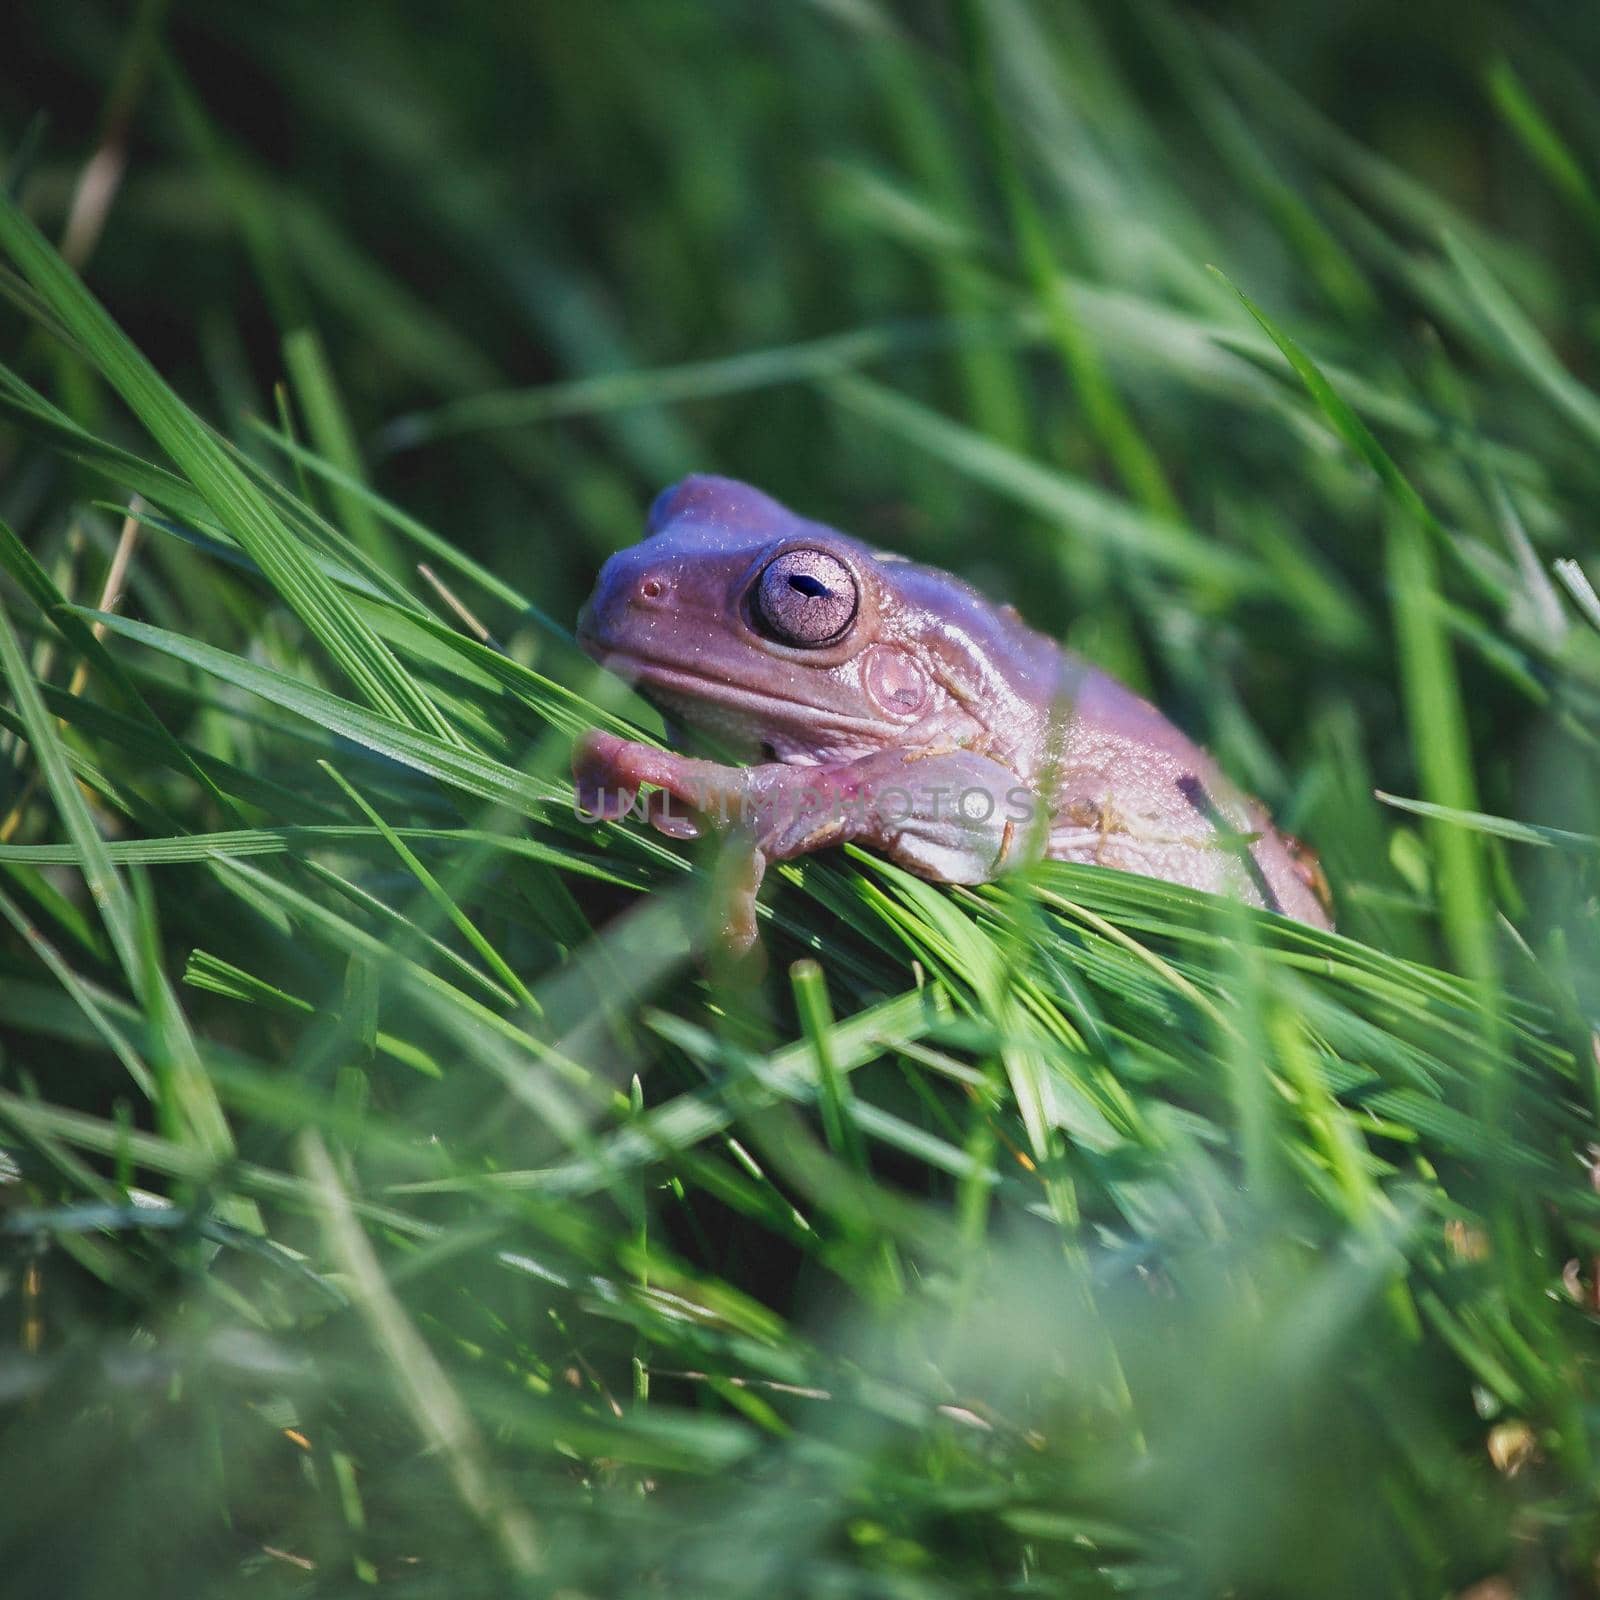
(1538, 136)
(1089, 512)
(198, 1112)
(446, 760)
(234, 499)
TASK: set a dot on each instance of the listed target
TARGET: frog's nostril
(651, 588)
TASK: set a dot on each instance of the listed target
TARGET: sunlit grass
(390, 1197)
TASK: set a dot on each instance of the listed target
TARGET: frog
(865, 698)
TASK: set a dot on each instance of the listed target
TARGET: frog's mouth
(713, 703)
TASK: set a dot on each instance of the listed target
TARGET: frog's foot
(950, 815)
(688, 798)
(608, 773)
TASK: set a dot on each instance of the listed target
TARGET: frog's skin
(879, 694)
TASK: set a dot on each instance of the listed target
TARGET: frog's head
(741, 618)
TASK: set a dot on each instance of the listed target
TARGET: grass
(390, 1202)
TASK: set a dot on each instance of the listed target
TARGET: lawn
(394, 1198)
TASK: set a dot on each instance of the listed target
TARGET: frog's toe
(602, 794)
(666, 814)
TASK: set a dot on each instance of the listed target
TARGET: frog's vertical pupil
(805, 597)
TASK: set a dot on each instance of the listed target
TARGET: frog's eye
(805, 597)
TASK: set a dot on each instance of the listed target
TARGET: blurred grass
(387, 1199)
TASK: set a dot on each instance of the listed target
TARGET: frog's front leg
(950, 815)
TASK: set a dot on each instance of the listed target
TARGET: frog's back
(1127, 788)
(1136, 793)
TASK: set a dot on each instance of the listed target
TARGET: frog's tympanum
(893, 705)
